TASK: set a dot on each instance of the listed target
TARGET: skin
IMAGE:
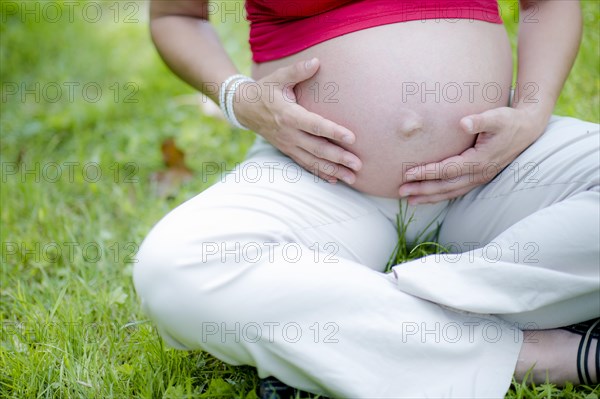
(398, 126)
(546, 51)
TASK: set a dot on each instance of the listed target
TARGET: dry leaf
(167, 182)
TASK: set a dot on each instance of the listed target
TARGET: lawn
(86, 104)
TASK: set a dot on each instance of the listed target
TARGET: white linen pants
(275, 268)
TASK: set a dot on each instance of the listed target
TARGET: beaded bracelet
(229, 102)
(227, 95)
(223, 88)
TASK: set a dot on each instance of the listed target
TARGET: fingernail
(348, 179)
(469, 125)
(309, 63)
(347, 139)
(404, 192)
(352, 165)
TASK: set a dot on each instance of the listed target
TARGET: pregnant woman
(358, 104)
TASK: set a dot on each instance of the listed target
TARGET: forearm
(549, 36)
(189, 45)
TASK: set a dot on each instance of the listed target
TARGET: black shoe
(272, 388)
(588, 330)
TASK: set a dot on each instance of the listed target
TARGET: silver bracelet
(229, 97)
(223, 89)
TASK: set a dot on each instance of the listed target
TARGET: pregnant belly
(403, 88)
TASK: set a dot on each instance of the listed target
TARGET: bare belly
(403, 88)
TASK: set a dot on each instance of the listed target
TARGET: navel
(408, 123)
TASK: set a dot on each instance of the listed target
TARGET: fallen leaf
(167, 182)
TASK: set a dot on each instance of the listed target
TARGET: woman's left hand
(503, 133)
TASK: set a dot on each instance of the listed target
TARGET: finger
(323, 149)
(469, 162)
(434, 187)
(329, 179)
(447, 169)
(303, 159)
(317, 125)
(297, 72)
(429, 199)
(315, 171)
(488, 121)
(322, 167)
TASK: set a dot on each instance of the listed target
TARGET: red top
(279, 28)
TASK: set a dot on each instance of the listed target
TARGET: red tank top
(279, 28)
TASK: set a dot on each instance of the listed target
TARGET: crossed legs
(275, 269)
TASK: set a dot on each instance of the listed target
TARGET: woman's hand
(503, 133)
(269, 108)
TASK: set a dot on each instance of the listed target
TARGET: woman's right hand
(271, 110)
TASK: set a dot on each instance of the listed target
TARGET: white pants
(275, 268)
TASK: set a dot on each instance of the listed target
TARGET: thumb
(298, 72)
(489, 121)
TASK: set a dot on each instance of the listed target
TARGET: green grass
(71, 323)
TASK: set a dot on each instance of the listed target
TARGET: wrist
(247, 94)
(535, 105)
(533, 120)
